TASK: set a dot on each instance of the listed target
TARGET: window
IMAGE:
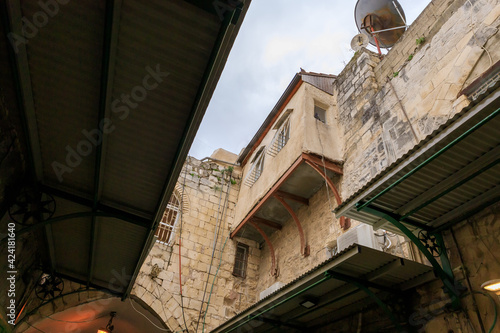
(256, 169)
(282, 134)
(320, 114)
(166, 229)
(240, 260)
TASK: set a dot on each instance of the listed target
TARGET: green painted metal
(445, 261)
(370, 293)
(447, 280)
(250, 318)
(360, 206)
(327, 304)
(436, 197)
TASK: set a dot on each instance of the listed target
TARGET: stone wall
(73, 294)
(387, 106)
(320, 229)
(207, 185)
(475, 255)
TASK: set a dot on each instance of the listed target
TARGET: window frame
(321, 116)
(165, 232)
(237, 270)
(282, 135)
(257, 167)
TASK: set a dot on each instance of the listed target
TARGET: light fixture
(308, 304)
(492, 285)
(109, 327)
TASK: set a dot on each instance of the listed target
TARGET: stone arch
(91, 309)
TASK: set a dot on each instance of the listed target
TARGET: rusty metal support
(304, 248)
(293, 197)
(274, 270)
(345, 223)
(328, 164)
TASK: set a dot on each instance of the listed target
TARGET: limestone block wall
(73, 294)
(206, 184)
(386, 106)
(320, 229)
(306, 135)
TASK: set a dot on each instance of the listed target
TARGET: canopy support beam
(444, 273)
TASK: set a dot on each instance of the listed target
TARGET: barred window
(168, 223)
(257, 168)
(241, 260)
(320, 113)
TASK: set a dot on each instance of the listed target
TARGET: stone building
(409, 143)
(367, 201)
(330, 142)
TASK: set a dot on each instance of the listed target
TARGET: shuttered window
(168, 223)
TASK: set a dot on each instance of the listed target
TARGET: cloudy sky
(276, 39)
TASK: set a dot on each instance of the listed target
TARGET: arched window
(168, 223)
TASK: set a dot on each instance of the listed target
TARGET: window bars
(256, 169)
(241, 260)
(168, 223)
(280, 138)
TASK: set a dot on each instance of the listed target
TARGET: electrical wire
(216, 237)
(213, 282)
(39, 330)
(494, 307)
(220, 259)
(142, 314)
(474, 34)
(180, 267)
(77, 322)
(324, 170)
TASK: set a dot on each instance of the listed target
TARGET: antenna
(382, 21)
(359, 41)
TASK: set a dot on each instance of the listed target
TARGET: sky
(276, 39)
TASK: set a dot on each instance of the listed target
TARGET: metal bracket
(444, 272)
(360, 285)
(304, 248)
(274, 270)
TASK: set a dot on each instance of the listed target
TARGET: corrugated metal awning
(112, 94)
(336, 289)
(449, 176)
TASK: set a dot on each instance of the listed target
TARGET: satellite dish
(386, 16)
(359, 41)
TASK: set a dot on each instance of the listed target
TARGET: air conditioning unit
(270, 290)
(362, 234)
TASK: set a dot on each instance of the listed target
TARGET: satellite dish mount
(383, 21)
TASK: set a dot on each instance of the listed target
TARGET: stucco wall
(306, 135)
(202, 194)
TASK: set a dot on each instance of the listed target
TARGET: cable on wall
(218, 225)
(324, 170)
(142, 314)
(220, 254)
(180, 267)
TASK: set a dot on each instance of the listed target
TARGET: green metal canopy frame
(444, 270)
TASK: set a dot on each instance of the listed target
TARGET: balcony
(295, 153)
